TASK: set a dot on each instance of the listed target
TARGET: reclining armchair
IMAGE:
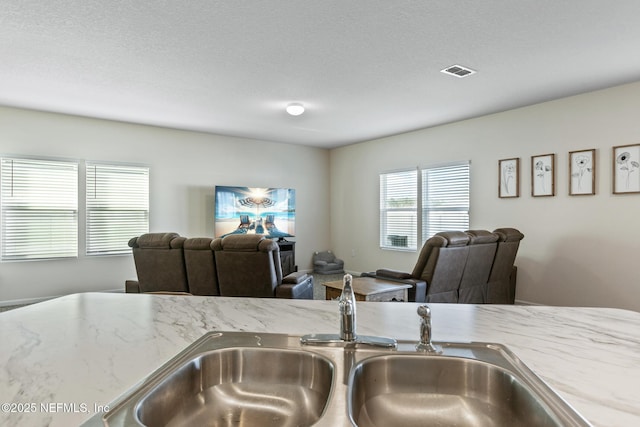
(159, 261)
(437, 273)
(248, 265)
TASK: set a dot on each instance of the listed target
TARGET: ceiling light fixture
(295, 109)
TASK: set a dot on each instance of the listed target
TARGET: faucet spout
(347, 306)
(348, 338)
(425, 331)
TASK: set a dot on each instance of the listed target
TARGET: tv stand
(287, 256)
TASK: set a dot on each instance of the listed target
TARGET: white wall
(185, 167)
(577, 251)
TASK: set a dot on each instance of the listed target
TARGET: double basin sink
(256, 379)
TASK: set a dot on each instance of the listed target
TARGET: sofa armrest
(393, 274)
(418, 293)
(295, 277)
(300, 290)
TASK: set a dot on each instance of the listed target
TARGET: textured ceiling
(364, 69)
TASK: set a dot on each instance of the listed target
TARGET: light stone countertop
(65, 357)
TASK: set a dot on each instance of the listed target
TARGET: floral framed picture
(543, 175)
(582, 173)
(626, 169)
(509, 178)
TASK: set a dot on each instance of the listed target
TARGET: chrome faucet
(347, 306)
(425, 331)
(347, 337)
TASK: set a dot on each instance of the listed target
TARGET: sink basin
(241, 386)
(414, 390)
(230, 378)
(261, 379)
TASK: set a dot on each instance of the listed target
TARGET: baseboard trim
(522, 302)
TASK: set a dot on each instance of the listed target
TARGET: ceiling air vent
(458, 71)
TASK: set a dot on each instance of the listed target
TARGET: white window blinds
(39, 208)
(399, 210)
(117, 201)
(445, 199)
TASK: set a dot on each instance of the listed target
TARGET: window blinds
(399, 210)
(39, 208)
(411, 213)
(445, 199)
(117, 202)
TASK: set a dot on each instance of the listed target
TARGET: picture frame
(543, 175)
(582, 172)
(509, 178)
(626, 169)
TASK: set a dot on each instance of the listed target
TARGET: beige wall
(185, 167)
(577, 251)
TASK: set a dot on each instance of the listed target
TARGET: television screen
(245, 210)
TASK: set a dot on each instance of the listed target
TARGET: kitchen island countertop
(65, 359)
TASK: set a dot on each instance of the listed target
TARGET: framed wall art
(582, 172)
(509, 178)
(626, 169)
(543, 174)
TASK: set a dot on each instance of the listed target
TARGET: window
(412, 211)
(39, 208)
(445, 199)
(117, 200)
(399, 210)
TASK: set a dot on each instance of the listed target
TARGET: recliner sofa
(166, 262)
(475, 267)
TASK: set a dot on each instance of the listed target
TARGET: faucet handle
(425, 331)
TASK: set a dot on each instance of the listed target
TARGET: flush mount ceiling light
(458, 71)
(295, 109)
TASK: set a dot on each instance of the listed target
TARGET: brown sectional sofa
(474, 267)
(237, 265)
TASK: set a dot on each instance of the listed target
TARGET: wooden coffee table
(370, 289)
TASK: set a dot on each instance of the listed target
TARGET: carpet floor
(319, 279)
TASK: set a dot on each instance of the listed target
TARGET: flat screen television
(247, 210)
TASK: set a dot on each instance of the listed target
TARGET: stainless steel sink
(413, 390)
(248, 379)
(230, 378)
(241, 386)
